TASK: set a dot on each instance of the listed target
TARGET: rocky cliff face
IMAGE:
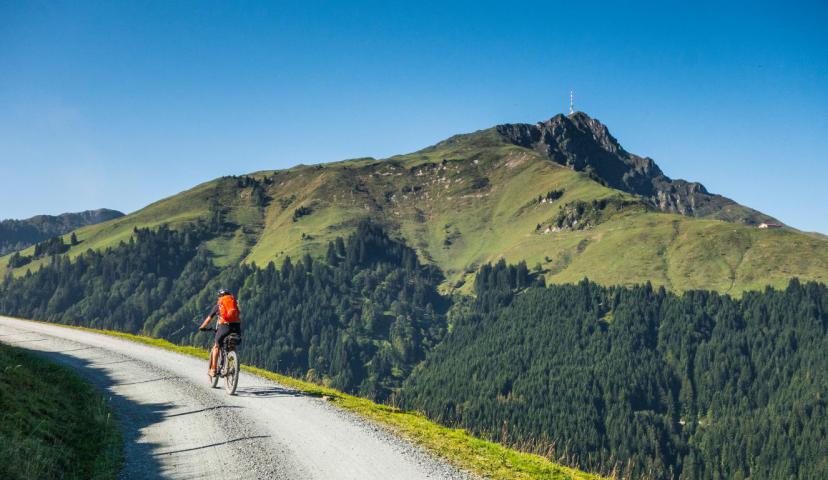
(585, 144)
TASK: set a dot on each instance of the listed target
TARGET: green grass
(482, 457)
(227, 249)
(683, 254)
(52, 423)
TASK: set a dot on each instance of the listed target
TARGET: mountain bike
(227, 365)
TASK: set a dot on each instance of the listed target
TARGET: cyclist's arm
(209, 318)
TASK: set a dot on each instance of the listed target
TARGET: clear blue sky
(118, 104)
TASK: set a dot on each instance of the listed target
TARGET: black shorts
(224, 329)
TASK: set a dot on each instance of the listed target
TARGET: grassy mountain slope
(472, 199)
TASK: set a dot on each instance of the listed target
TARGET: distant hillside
(19, 234)
(562, 195)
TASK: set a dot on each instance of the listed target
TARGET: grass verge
(482, 457)
(52, 423)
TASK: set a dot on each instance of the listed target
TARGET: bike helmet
(223, 292)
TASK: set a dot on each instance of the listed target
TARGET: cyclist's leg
(213, 360)
(221, 332)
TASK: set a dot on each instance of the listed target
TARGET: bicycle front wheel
(231, 376)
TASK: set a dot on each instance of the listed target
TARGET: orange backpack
(228, 309)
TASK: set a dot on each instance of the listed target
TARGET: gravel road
(175, 426)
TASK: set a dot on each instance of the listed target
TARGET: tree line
(637, 381)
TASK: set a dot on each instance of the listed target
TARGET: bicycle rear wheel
(231, 375)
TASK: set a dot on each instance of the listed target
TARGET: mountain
(19, 234)
(585, 144)
(562, 195)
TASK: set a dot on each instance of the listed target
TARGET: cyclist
(229, 321)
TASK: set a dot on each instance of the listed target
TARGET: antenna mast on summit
(571, 102)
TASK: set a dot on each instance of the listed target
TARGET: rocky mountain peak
(590, 126)
(583, 143)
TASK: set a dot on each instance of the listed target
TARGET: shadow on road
(268, 392)
(15, 342)
(73, 350)
(159, 379)
(183, 450)
(208, 409)
(101, 364)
